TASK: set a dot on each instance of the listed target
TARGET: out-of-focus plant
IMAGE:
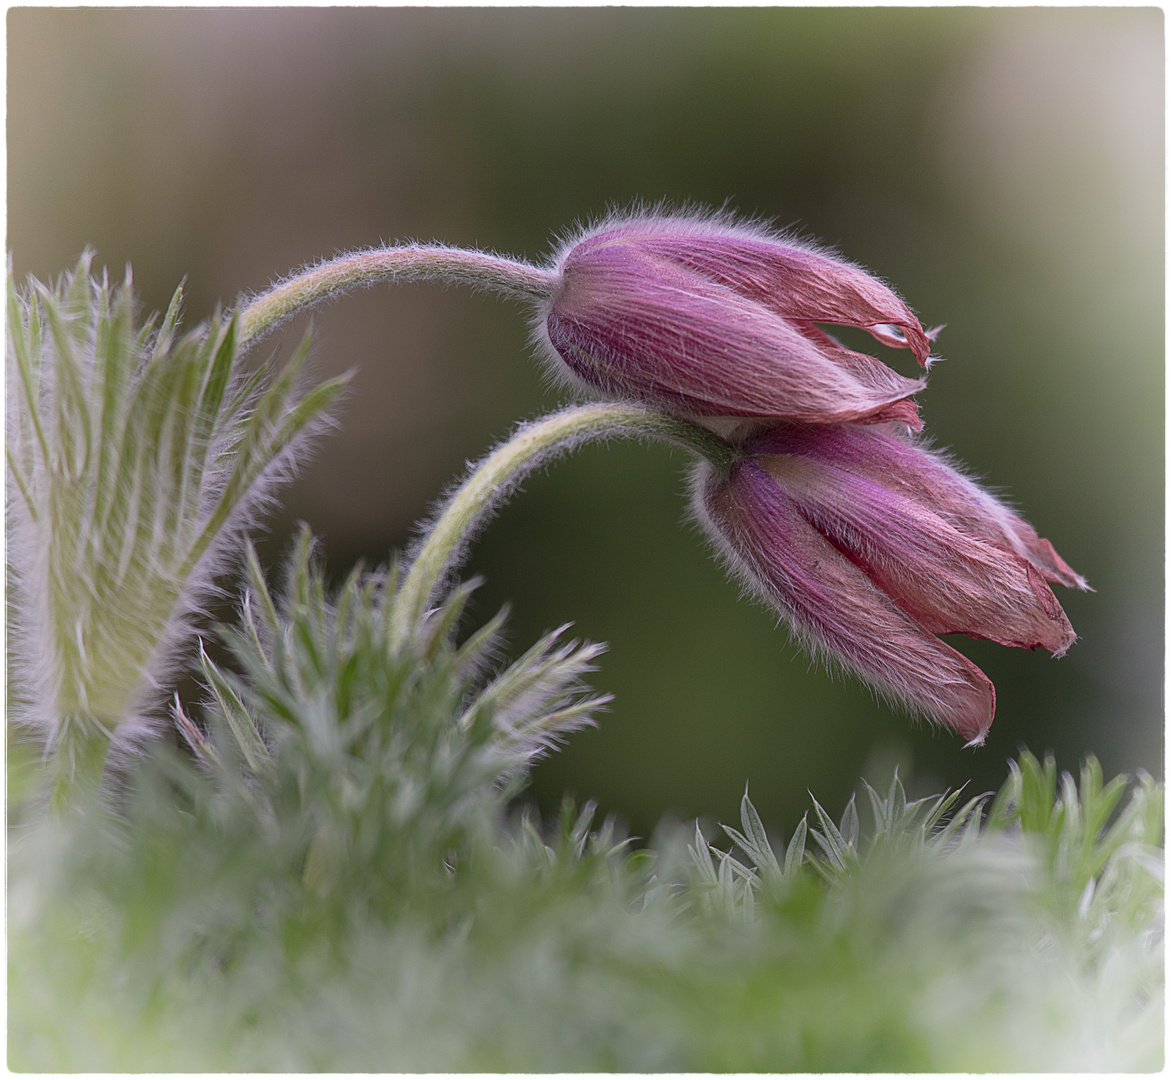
(360, 897)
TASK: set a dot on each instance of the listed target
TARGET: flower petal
(632, 324)
(928, 477)
(796, 282)
(834, 605)
(947, 580)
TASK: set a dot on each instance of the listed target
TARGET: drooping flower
(870, 545)
(705, 318)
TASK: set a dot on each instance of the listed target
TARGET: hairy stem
(500, 472)
(414, 262)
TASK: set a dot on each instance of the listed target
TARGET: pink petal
(834, 605)
(630, 324)
(794, 281)
(947, 580)
(929, 478)
(1039, 551)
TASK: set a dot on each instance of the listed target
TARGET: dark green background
(1003, 168)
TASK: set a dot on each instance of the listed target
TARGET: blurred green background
(1002, 168)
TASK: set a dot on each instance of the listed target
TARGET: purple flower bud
(870, 545)
(704, 318)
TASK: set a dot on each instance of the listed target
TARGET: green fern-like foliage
(373, 752)
(135, 456)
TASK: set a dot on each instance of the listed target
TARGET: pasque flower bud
(869, 545)
(704, 318)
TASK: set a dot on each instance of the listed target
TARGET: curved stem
(502, 470)
(413, 262)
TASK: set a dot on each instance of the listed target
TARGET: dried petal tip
(870, 546)
(704, 318)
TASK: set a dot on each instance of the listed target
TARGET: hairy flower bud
(870, 545)
(704, 318)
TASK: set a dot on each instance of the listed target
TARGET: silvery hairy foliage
(370, 748)
(321, 912)
(136, 454)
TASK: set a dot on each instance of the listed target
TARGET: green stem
(415, 262)
(500, 472)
